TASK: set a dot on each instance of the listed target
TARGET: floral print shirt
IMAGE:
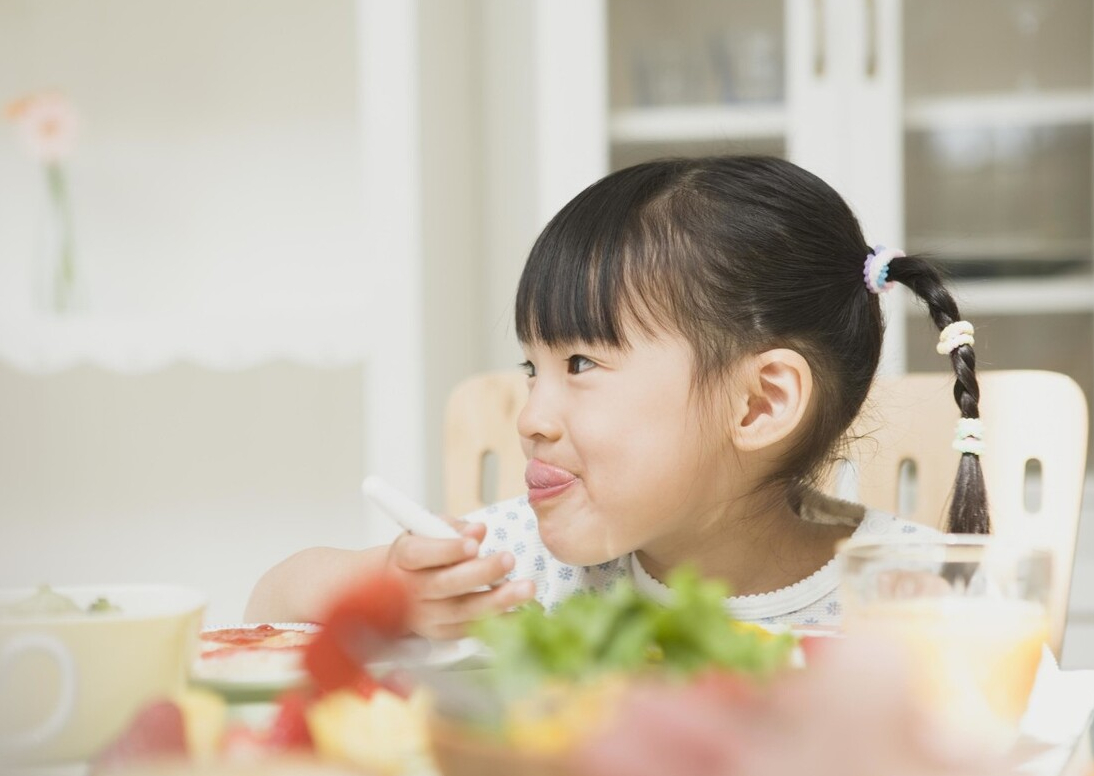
(813, 601)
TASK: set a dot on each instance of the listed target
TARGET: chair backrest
(901, 446)
(1035, 428)
(482, 459)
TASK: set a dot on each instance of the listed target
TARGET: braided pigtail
(969, 507)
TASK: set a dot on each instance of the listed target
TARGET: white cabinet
(817, 81)
(960, 129)
(963, 130)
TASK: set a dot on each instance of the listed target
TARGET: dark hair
(739, 254)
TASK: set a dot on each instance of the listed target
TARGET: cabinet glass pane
(998, 164)
(695, 52)
(969, 46)
(1001, 201)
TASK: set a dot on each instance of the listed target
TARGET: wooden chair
(483, 461)
(900, 455)
(1035, 428)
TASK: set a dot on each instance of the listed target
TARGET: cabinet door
(696, 77)
(844, 71)
(998, 106)
(844, 75)
(815, 81)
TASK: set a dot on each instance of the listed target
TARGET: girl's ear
(771, 398)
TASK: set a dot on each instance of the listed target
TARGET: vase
(58, 279)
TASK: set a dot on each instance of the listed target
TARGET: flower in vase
(47, 123)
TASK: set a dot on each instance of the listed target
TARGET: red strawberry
(156, 731)
(289, 729)
(328, 664)
(359, 623)
(379, 602)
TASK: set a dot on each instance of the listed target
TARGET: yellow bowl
(70, 683)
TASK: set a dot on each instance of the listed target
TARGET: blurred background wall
(298, 225)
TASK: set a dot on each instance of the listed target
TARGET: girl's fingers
(414, 553)
(463, 609)
(476, 531)
(461, 578)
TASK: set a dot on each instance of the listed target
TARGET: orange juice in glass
(971, 612)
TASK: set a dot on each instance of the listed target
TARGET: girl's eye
(575, 365)
(529, 368)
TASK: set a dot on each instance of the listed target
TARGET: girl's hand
(449, 584)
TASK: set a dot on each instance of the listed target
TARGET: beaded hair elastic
(876, 269)
(954, 336)
(969, 436)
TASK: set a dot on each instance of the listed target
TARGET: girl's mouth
(545, 481)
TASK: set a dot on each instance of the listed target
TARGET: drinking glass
(971, 613)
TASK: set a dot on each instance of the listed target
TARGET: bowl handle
(21, 740)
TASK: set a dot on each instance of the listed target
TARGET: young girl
(699, 334)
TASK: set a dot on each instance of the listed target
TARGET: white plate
(252, 670)
(268, 672)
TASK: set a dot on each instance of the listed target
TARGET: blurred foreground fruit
(383, 733)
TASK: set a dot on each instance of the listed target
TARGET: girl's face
(621, 455)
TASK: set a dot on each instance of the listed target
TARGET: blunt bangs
(594, 269)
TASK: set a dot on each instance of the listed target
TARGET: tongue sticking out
(538, 475)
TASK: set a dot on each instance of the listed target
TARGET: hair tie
(876, 269)
(954, 336)
(969, 436)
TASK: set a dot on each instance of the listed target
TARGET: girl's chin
(562, 535)
(575, 553)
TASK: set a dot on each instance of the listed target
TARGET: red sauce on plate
(243, 637)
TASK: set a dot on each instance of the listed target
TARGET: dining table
(1056, 730)
(1056, 736)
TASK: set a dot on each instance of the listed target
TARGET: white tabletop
(1058, 712)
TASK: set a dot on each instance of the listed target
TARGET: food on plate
(190, 724)
(379, 734)
(205, 716)
(47, 601)
(342, 713)
(158, 731)
(382, 733)
(557, 678)
(265, 636)
(101, 605)
(561, 672)
(377, 730)
(590, 635)
(253, 653)
(358, 627)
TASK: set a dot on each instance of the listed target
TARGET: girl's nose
(537, 420)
